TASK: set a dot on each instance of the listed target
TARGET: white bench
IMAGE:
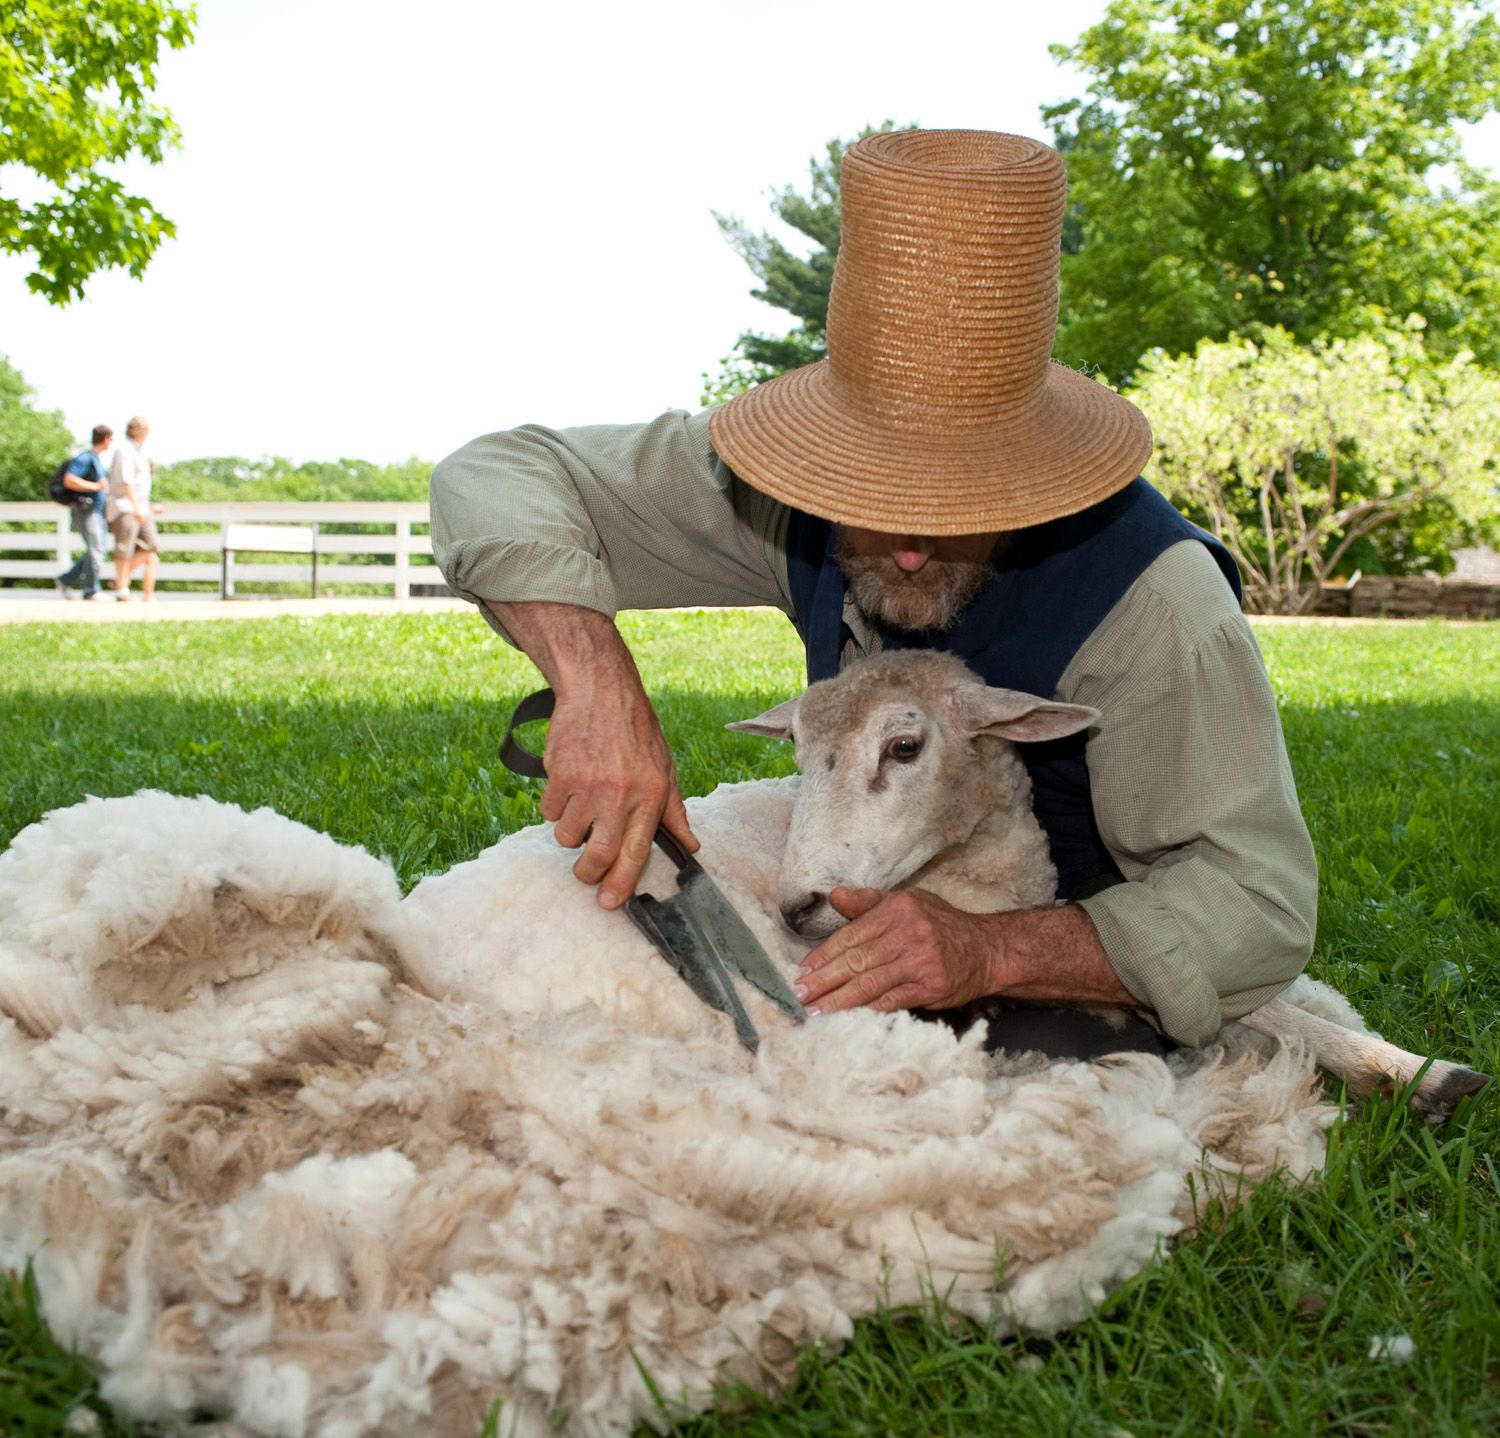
(267, 539)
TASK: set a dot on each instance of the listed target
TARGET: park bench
(267, 539)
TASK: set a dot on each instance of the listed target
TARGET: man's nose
(911, 551)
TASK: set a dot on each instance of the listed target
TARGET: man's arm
(553, 531)
(913, 950)
(1194, 797)
(607, 517)
(610, 777)
(81, 485)
(120, 480)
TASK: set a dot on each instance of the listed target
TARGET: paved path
(38, 606)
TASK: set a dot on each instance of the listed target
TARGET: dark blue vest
(1056, 583)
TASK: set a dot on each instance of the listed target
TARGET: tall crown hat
(938, 409)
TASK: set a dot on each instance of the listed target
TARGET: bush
(1305, 460)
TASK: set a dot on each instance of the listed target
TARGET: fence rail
(37, 542)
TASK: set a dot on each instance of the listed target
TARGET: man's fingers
(610, 782)
(866, 989)
(863, 968)
(903, 996)
(572, 820)
(855, 934)
(600, 851)
(634, 854)
(675, 821)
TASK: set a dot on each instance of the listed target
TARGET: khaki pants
(132, 532)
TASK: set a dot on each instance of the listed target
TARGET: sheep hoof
(1458, 1083)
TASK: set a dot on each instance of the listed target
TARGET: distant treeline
(254, 480)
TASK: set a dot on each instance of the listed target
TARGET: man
(131, 514)
(936, 482)
(86, 476)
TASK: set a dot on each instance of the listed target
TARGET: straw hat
(938, 409)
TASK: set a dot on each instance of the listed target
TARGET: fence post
(64, 542)
(226, 575)
(403, 558)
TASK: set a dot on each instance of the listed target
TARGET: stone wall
(1411, 597)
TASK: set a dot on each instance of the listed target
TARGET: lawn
(382, 731)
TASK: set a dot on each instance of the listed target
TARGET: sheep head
(902, 757)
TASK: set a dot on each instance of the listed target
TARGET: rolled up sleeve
(1194, 797)
(609, 517)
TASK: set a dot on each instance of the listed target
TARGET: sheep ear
(1022, 718)
(773, 724)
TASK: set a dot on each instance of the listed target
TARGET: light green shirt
(1192, 790)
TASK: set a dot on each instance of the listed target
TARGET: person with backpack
(82, 484)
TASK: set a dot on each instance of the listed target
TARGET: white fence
(37, 542)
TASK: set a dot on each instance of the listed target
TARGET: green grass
(382, 731)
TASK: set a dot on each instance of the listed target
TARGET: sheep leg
(1366, 1062)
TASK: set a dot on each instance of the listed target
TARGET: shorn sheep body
(289, 1150)
(952, 815)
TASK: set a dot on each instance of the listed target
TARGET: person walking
(87, 477)
(131, 514)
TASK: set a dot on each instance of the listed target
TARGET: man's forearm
(1052, 956)
(578, 650)
(913, 950)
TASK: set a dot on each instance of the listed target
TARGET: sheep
(285, 1147)
(911, 780)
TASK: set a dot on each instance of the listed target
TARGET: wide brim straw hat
(938, 410)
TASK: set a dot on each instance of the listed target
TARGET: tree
(1295, 455)
(74, 82)
(1244, 163)
(791, 282)
(33, 442)
(272, 478)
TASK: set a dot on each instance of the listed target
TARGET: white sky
(400, 226)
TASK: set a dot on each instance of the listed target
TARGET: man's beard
(931, 599)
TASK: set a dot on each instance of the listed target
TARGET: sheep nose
(799, 910)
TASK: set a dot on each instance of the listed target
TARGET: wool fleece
(293, 1153)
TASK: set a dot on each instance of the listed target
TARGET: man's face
(914, 581)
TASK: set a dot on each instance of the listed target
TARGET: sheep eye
(904, 749)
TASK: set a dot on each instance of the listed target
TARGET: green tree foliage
(74, 82)
(1296, 456)
(251, 480)
(795, 283)
(33, 442)
(1243, 163)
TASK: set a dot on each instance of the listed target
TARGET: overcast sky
(403, 225)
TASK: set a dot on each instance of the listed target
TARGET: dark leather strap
(520, 760)
(513, 755)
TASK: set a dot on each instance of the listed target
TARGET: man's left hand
(903, 950)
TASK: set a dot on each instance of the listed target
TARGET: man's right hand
(610, 781)
(610, 777)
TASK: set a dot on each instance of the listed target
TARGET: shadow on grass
(418, 782)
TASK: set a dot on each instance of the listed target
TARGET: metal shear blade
(677, 939)
(696, 930)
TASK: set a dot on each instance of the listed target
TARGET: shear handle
(520, 760)
(513, 754)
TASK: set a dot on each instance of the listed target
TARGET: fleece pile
(289, 1150)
